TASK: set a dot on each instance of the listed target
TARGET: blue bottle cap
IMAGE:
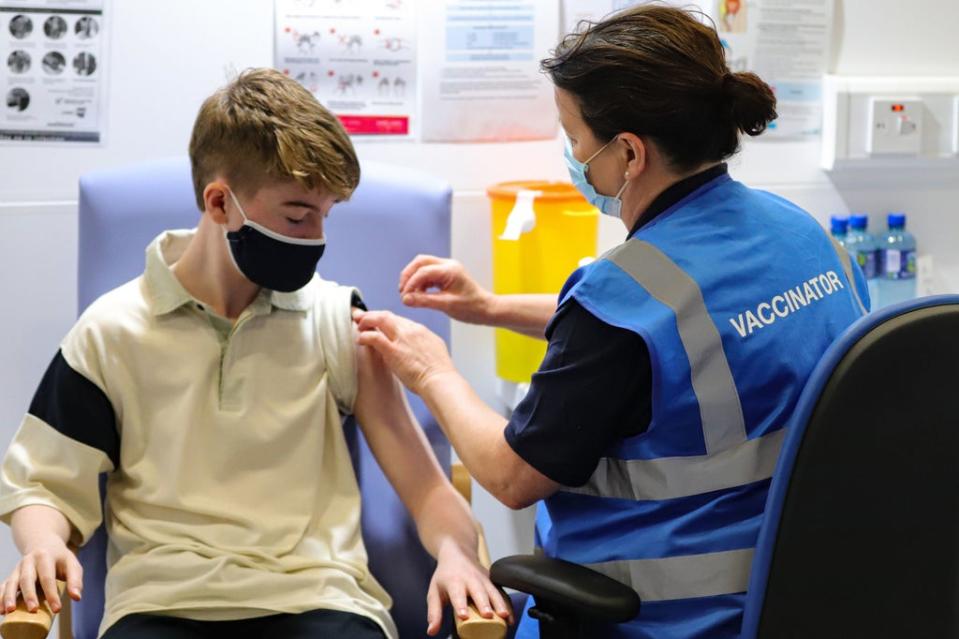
(839, 224)
(859, 221)
(897, 220)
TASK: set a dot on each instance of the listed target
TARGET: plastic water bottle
(839, 227)
(897, 263)
(862, 247)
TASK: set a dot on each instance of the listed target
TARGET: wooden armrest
(478, 627)
(23, 624)
(475, 626)
(462, 481)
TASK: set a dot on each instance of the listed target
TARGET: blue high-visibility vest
(737, 293)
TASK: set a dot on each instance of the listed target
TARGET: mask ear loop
(619, 194)
(238, 206)
(594, 155)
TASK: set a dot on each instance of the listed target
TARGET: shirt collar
(675, 193)
(165, 294)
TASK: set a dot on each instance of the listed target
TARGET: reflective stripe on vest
(712, 381)
(671, 477)
(684, 577)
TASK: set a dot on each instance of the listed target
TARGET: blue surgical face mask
(270, 259)
(611, 205)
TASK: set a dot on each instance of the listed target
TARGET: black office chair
(861, 533)
(567, 595)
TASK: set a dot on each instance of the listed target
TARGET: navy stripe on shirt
(76, 407)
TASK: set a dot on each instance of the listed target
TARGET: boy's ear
(214, 201)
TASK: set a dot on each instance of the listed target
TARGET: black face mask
(271, 260)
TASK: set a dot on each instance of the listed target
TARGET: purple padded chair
(395, 214)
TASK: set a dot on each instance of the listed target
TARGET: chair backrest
(861, 532)
(395, 214)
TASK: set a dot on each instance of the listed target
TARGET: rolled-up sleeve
(333, 311)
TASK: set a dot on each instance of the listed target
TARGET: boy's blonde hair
(263, 125)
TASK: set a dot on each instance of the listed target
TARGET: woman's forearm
(527, 314)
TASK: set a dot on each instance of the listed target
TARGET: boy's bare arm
(42, 534)
(443, 519)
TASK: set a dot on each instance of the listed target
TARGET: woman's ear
(637, 154)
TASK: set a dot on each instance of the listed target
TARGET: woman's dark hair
(659, 72)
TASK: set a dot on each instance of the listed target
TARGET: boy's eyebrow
(299, 203)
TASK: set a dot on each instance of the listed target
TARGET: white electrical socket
(895, 126)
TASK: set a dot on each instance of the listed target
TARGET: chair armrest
(23, 624)
(462, 482)
(568, 587)
(475, 626)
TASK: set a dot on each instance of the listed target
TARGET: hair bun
(751, 101)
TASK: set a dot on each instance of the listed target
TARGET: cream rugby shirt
(230, 490)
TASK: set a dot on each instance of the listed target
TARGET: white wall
(157, 83)
(884, 37)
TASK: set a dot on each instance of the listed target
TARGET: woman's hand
(444, 285)
(413, 352)
(459, 578)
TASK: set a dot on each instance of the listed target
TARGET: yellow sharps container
(542, 232)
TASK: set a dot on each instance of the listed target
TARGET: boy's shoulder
(118, 305)
(328, 294)
(118, 312)
(108, 328)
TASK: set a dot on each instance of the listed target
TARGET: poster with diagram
(358, 58)
(51, 79)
